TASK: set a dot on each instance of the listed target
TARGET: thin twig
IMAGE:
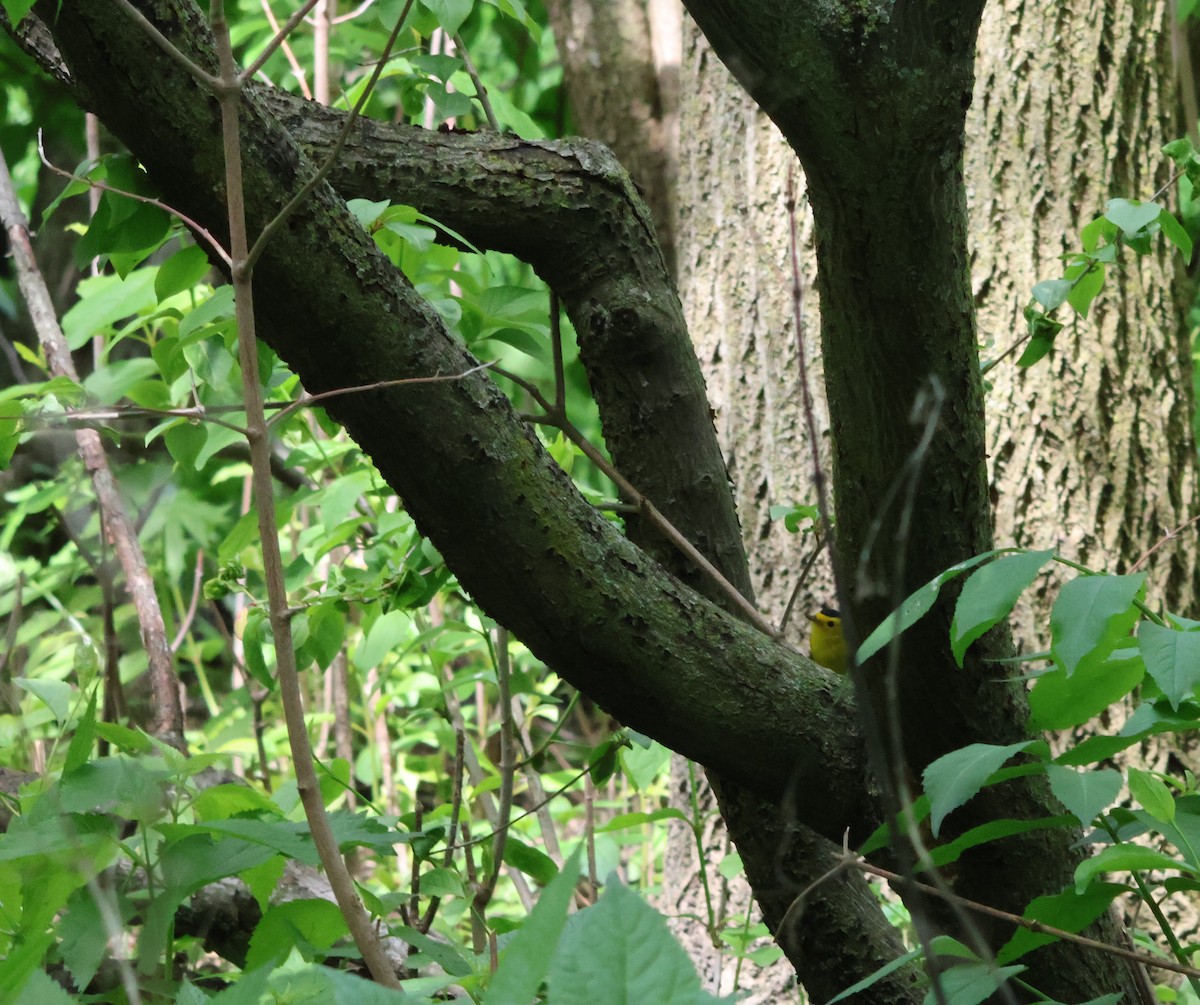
(190, 614)
(281, 35)
(307, 783)
(554, 417)
(168, 712)
(293, 62)
(480, 90)
(358, 11)
(269, 231)
(379, 385)
(1035, 926)
(211, 241)
(1165, 539)
(801, 579)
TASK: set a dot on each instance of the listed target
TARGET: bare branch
(168, 713)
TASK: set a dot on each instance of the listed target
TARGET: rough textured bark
(1092, 449)
(735, 283)
(583, 598)
(897, 330)
(621, 63)
(736, 287)
(576, 591)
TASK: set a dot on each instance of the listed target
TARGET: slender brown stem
(307, 784)
(307, 188)
(280, 37)
(480, 91)
(1034, 926)
(190, 614)
(293, 62)
(213, 244)
(168, 712)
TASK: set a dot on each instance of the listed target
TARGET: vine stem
(357, 920)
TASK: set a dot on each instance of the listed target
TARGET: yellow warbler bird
(826, 642)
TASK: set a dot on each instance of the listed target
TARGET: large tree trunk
(1092, 449)
(887, 355)
(735, 284)
(897, 311)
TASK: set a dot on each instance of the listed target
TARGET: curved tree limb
(585, 599)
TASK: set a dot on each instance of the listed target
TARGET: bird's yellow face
(826, 642)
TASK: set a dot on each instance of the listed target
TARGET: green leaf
(81, 743)
(1043, 329)
(1052, 293)
(989, 594)
(644, 765)
(450, 14)
(994, 830)
(971, 983)
(84, 940)
(914, 607)
(527, 959)
(326, 633)
(1174, 232)
(794, 516)
(1131, 215)
(955, 777)
(1095, 232)
(184, 442)
(367, 212)
(529, 860)
(1069, 911)
(618, 952)
(1091, 615)
(220, 802)
(385, 635)
(624, 821)
(1123, 858)
(1152, 794)
(256, 633)
(1087, 280)
(104, 300)
(124, 229)
(180, 272)
(1183, 831)
(41, 989)
(1084, 793)
(1060, 701)
(1172, 659)
(520, 339)
(250, 988)
(308, 925)
(446, 956)
(54, 694)
(12, 413)
(17, 9)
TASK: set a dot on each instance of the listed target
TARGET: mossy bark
(874, 107)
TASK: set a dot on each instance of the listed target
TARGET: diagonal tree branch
(568, 583)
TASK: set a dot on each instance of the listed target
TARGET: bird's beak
(811, 617)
